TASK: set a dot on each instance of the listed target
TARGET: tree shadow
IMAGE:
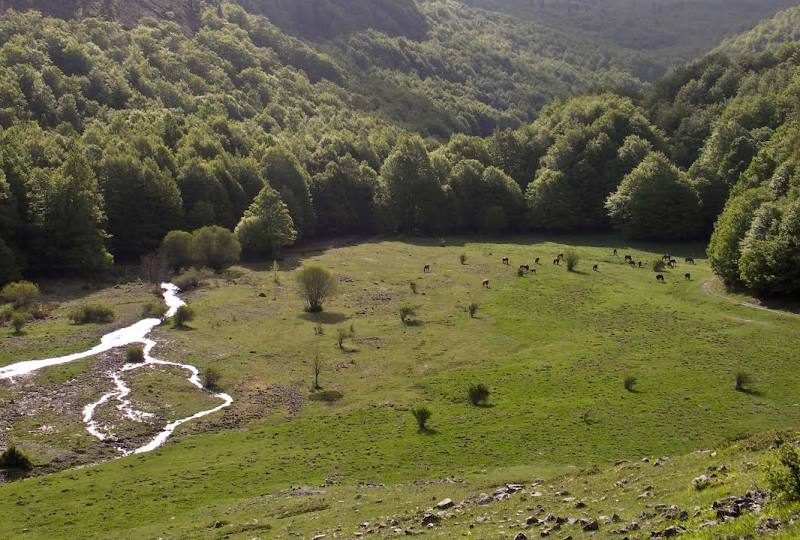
(412, 322)
(484, 405)
(750, 392)
(427, 431)
(324, 317)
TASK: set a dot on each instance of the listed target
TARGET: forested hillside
(672, 31)
(113, 137)
(770, 33)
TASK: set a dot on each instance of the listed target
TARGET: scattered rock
(589, 524)
(444, 504)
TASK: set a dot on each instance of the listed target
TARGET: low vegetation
(211, 378)
(20, 294)
(421, 415)
(91, 314)
(183, 316)
(478, 394)
(134, 354)
(13, 459)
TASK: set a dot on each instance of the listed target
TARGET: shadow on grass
(750, 392)
(412, 323)
(324, 317)
(427, 431)
(483, 405)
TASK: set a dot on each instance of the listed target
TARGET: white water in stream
(136, 333)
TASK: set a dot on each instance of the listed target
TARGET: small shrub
(182, 316)
(572, 259)
(658, 265)
(154, 310)
(473, 309)
(478, 394)
(14, 459)
(630, 383)
(413, 286)
(275, 277)
(343, 334)
(743, 380)
(20, 294)
(211, 378)
(328, 396)
(193, 278)
(18, 321)
(91, 314)
(316, 285)
(783, 474)
(406, 313)
(421, 415)
(462, 259)
(134, 354)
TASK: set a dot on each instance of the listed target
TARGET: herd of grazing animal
(526, 268)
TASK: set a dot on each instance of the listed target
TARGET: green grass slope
(553, 347)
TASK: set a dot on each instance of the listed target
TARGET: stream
(136, 333)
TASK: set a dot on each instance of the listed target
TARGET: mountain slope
(671, 30)
(768, 34)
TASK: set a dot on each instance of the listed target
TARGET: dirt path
(709, 287)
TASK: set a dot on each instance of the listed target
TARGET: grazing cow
(688, 276)
(557, 261)
(485, 283)
(427, 269)
(640, 264)
(505, 260)
(533, 270)
(689, 260)
(665, 258)
(596, 268)
(615, 252)
(628, 258)
(671, 264)
(525, 267)
(536, 261)
(660, 278)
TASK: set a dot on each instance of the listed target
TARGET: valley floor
(554, 347)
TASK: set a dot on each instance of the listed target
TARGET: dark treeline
(112, 138)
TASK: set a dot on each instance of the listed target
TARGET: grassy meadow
(554, 348)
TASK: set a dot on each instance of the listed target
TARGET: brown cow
(525, 267)
(505, 260)
(427, 269)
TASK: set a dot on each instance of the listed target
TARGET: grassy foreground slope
(553, 347)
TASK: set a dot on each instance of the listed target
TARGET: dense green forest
(112, 137)
(669, 31)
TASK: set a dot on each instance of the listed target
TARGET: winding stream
(136, 333)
